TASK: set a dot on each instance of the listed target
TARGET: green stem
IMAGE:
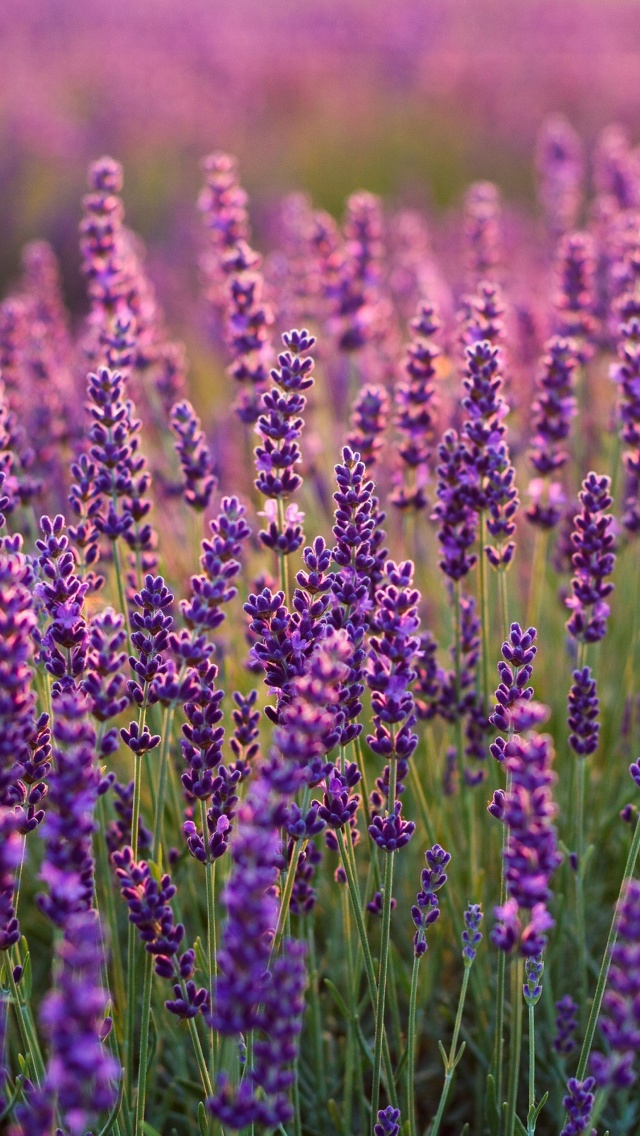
(606, 960)
(27, 1028)
(112, 915)
(162, 779)
(581, 929)
(484, 615)
(282, 559)
(504, 601)
(347, 1103)
(384, 953)
(352, 885)
(532, 1067)
(411, 1047)
(515, 1042)
(144, 1044)
(453, 1057)
(210, 869)
(121, 592)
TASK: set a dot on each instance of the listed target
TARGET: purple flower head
(17, 700)
(579, 1103)
(81, 1076)
(369, 421)
(620, 1014)
(150, 909)
(74, 786)
(10, 859)
(454, 509)
(593, 560)
(426, 909)
(532, 989)
(574, 298)
(414, 398)
(566, 1024)
(518, 653)
(280, 428)
(195, 459)
(391, 832)
(553, 411)
(482, 231)
(350, 271)
(560, 169)
(626, 373)
(214, 587)
(234, 284)
(482, 315)
(583, 707)
(617, 170)
(388, 1122)
(531, 854)
(471, 936)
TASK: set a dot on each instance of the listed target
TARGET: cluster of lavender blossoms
(193, 923)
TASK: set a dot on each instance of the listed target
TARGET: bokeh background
(411, 99)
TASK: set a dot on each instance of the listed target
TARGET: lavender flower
(566, 1024)
(74, 786)
(511, 713)
(457, 517)
(10, 859)
(368, 423)
(593, 560)
(195, 459)
(427, 906)
(235, 283)
(560, 168)
(579, 1103)
(352, 280)
(482, 231)
(574, 299)
(220, 565)
(63, 646)
(553, 410)
(280, 426)
(388, 1123)
(620, 1015)
(471, 936)
(531, 853)
(81, 1076)
(390, 675)
(17, 700)
(414, 398)
(583, 707)
(481, 317)
(626, 373)
(248, 996)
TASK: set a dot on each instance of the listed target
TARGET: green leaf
(113, 1115)
(366, 1048)
(202, 1118)
(153, 1040)
(443, 1054)
(338, 999)
(149, 1130)
(457, 1057)
(491, 1103)
(201, 955)
(534, 1113)
(334, 1113)
(520, 1128)
(13, 1098)
(465, 1130)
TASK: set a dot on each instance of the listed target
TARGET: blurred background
(412, 99)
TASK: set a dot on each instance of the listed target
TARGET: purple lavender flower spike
(17, 700)
(390, 675)
(426, 909)
(553, 410)
(414, 398)
(351, 272)
(532, 989)
(150, 639)
(593, 560)
(63, 646)
(104, 681)
(234, 281)
(579, 1103)
(617, 170)
(214, 587)
(560, 169)
(10, 859)
(388, 1122)
(280, 427)
(248, 995)
(583, 708)
(620, 1014)
(81, 1076)
(566, 1024)
(74, 786)
(457, 517)
(482, 231)
(481, 316)
(531, 854)
(369, 421)
(195, 459)
(471, 936)
(626, 373)
(518, 653)
(575, 298)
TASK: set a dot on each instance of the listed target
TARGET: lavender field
(319, 572)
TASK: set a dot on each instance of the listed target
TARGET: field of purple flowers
(319, 645)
